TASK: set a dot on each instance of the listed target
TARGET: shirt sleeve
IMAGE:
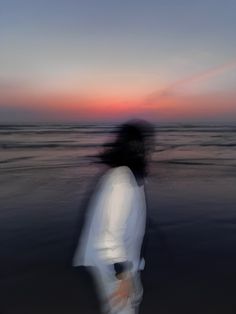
(111, 242)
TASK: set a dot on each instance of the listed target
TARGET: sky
(163, 60)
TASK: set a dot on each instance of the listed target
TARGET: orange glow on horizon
(171, 107)
(163, 104)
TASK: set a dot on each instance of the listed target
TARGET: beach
(46, 172)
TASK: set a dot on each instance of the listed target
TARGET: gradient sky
(78, 60)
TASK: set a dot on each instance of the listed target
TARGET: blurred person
(111, 243)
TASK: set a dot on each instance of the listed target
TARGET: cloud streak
(172, 89)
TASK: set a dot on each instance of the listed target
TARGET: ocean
(46, 172)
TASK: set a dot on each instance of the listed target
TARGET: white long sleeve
(114, 230)
(110, 243)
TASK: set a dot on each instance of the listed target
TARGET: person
(112, 238)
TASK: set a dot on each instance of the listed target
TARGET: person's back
(117, 202)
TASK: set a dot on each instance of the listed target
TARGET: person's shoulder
(121, 175)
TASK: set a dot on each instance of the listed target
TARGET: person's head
(131, 147)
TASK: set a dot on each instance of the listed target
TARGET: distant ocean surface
(60, 145)
(46, 170)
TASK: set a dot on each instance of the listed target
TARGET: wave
(45, 145)
(217, 145)
(199, 162)
(104, 128)
(73, 144)
(185, 162)
(9, 160)
(52, 132)
(40, 128)
(38, 166)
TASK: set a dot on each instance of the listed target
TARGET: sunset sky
(72, 60)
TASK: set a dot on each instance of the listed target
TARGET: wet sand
(191, 256)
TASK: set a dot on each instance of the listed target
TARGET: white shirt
(115, 227)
